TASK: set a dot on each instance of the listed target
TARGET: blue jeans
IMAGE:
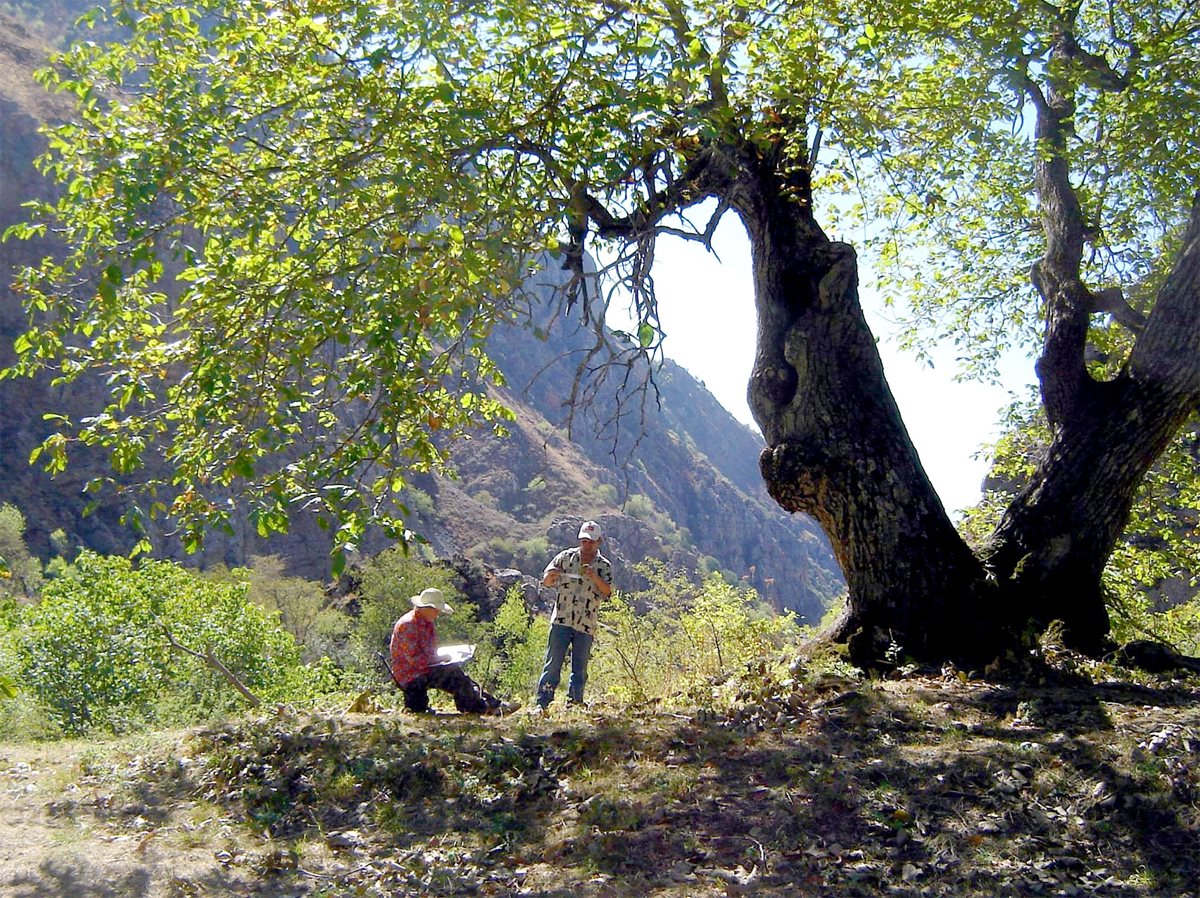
(580, 644)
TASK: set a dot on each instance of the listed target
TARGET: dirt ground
(64, 833)
(927, 786)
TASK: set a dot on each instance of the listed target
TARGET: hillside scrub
(321, 630)
(97, 649)
(20, 571)
(93, 655)
(96, 653)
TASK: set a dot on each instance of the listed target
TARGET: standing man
(583, 578)
(416, 667)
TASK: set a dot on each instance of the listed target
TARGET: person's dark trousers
(561, 639)
(469, 697)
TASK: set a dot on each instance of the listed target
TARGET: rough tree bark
(1053, 542)
(1052, 545)
(837, 447)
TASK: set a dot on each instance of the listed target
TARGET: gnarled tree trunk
(837, 448)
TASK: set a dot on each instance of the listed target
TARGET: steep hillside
(687, 458)
(680, 485)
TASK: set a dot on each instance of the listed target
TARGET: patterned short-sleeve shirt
(414, 647)
(578, 603)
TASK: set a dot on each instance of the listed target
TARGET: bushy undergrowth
(516, 649)
(94, 652)
(675, 641)
(112, 646)
(321, 630)
(103, 646)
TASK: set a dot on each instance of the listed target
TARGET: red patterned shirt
(414, 647)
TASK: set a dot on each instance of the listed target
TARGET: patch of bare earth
(922, 786)
(102, 821)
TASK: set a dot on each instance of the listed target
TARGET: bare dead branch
(210, 658)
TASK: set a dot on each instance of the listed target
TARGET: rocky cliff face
(688, 461)
(680, 484)
(24, 108)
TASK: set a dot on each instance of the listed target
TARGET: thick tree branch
(1056, 275)
(1168, 352)
(1104, 76)
(701, 179)
(1112, 301)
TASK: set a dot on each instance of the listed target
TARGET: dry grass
(923, 786)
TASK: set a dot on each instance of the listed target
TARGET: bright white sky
(948, 421)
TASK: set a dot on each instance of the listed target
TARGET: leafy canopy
(293, 222)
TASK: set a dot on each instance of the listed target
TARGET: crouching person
(416, 667)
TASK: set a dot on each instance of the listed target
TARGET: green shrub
(321, 631)
(421, 504)
(529, 555)
(642, 507)
(96, 650)
(686, 638)
(511, 659)
(605, 494)
(20, 571)
(24, 718)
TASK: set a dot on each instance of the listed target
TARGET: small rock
(682, 872)
(346, 839)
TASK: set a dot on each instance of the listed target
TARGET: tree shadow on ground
(948, 788)
(77, 878)
(868, 797)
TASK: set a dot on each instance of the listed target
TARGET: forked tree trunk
(1051, 547)
(837, 449)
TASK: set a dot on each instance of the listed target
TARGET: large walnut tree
(350, 193)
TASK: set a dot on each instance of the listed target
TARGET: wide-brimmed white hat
(432, 598)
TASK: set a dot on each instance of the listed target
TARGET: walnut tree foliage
(293, 223)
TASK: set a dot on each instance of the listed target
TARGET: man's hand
(552, 577)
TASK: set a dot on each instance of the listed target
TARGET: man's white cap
(432, 598)
(590, 530)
